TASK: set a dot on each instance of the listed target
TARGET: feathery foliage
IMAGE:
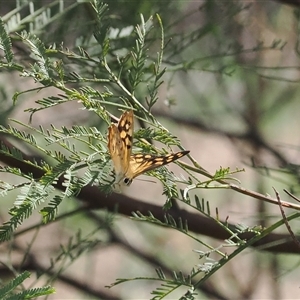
(110, 71)
(7, 292)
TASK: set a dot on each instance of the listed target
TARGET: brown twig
(239, 189)
(291, 195)
(285, 219)
(93, 198)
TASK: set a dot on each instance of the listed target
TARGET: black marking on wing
(147, 162)
(124, 126)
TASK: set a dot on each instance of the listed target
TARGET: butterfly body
(127, 166)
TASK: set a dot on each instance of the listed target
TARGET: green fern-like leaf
(102, 26)
(169, 185)
(33, 293)
(5, 43)
(160, 135)
(39, 50)
(14, 283)
(22, 135)
(44, 103)
(32, 195)
(138, 55)
(49, 212)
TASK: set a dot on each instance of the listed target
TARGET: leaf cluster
(106, 74)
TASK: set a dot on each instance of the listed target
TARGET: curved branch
(93, 198)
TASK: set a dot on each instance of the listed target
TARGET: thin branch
(291, 195)
(285, 220)
(239, 189)
(33, 264)
(93, 198)
(151, 259)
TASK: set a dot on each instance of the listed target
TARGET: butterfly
(127, 166)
